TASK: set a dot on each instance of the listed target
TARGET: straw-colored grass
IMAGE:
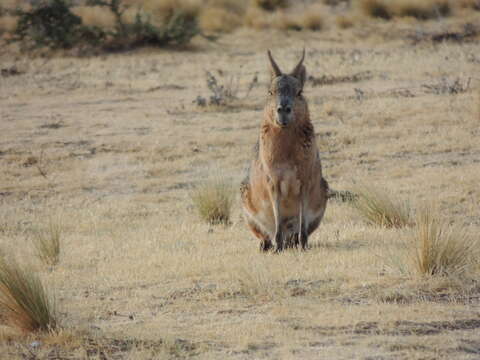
(47, 243)
(217, 19)
(376, 207)
(442, 249)
(312, 19)
(25, 303)
(213, 200)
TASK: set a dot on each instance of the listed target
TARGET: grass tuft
(213, 200)
(377, 208)
(47, 244)
(442, 249)
(24, 302)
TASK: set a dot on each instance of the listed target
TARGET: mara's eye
(270, 92)
(299, 93)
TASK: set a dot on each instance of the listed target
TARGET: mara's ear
(299, 71)
(274, 69)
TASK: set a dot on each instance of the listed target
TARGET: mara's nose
(285, 109)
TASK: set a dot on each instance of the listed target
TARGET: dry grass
(344, 21)
(217, 19)
(24, 301)
(8, 24)
(47, 243)
(213, 200)
(439, 248)
(469, 4)
(98, 16)
(378, 208)
(122, 143)
(312, 19)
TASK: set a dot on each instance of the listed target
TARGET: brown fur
(284, 195)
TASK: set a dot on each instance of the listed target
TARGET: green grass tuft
(442, 249)
(213, 200)
(24, 302)
(378, 208)
(47, 244)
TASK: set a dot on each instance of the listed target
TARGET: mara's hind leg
(265, 242)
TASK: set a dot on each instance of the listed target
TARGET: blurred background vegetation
(123, 24)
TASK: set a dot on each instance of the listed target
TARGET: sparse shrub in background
(222, 94)
(438, 248)
(375, 9)
(225, 90)
(271, 5)
(378, 208)
(24, 302)
(47, 243)
(421, 10)
(213, 200)
(50, 24)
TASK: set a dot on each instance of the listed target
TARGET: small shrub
(438, 248)
(377, 208)
(24, 302)
(47, 244)
(271, 5)
(50, 24)
(222, 94)
(375, 9)
(213, 200)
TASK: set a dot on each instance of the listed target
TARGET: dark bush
(50, 24)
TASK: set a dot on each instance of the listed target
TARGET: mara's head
(286, 103)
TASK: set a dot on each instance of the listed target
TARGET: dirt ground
(110, 146)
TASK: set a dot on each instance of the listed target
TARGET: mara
(284, 194)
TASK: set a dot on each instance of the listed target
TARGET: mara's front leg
(302, 225)
(274, 190)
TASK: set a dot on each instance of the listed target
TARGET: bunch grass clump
(439, 248)
(378, 208)
(25, 303)
(47, 243)
(213, 200)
